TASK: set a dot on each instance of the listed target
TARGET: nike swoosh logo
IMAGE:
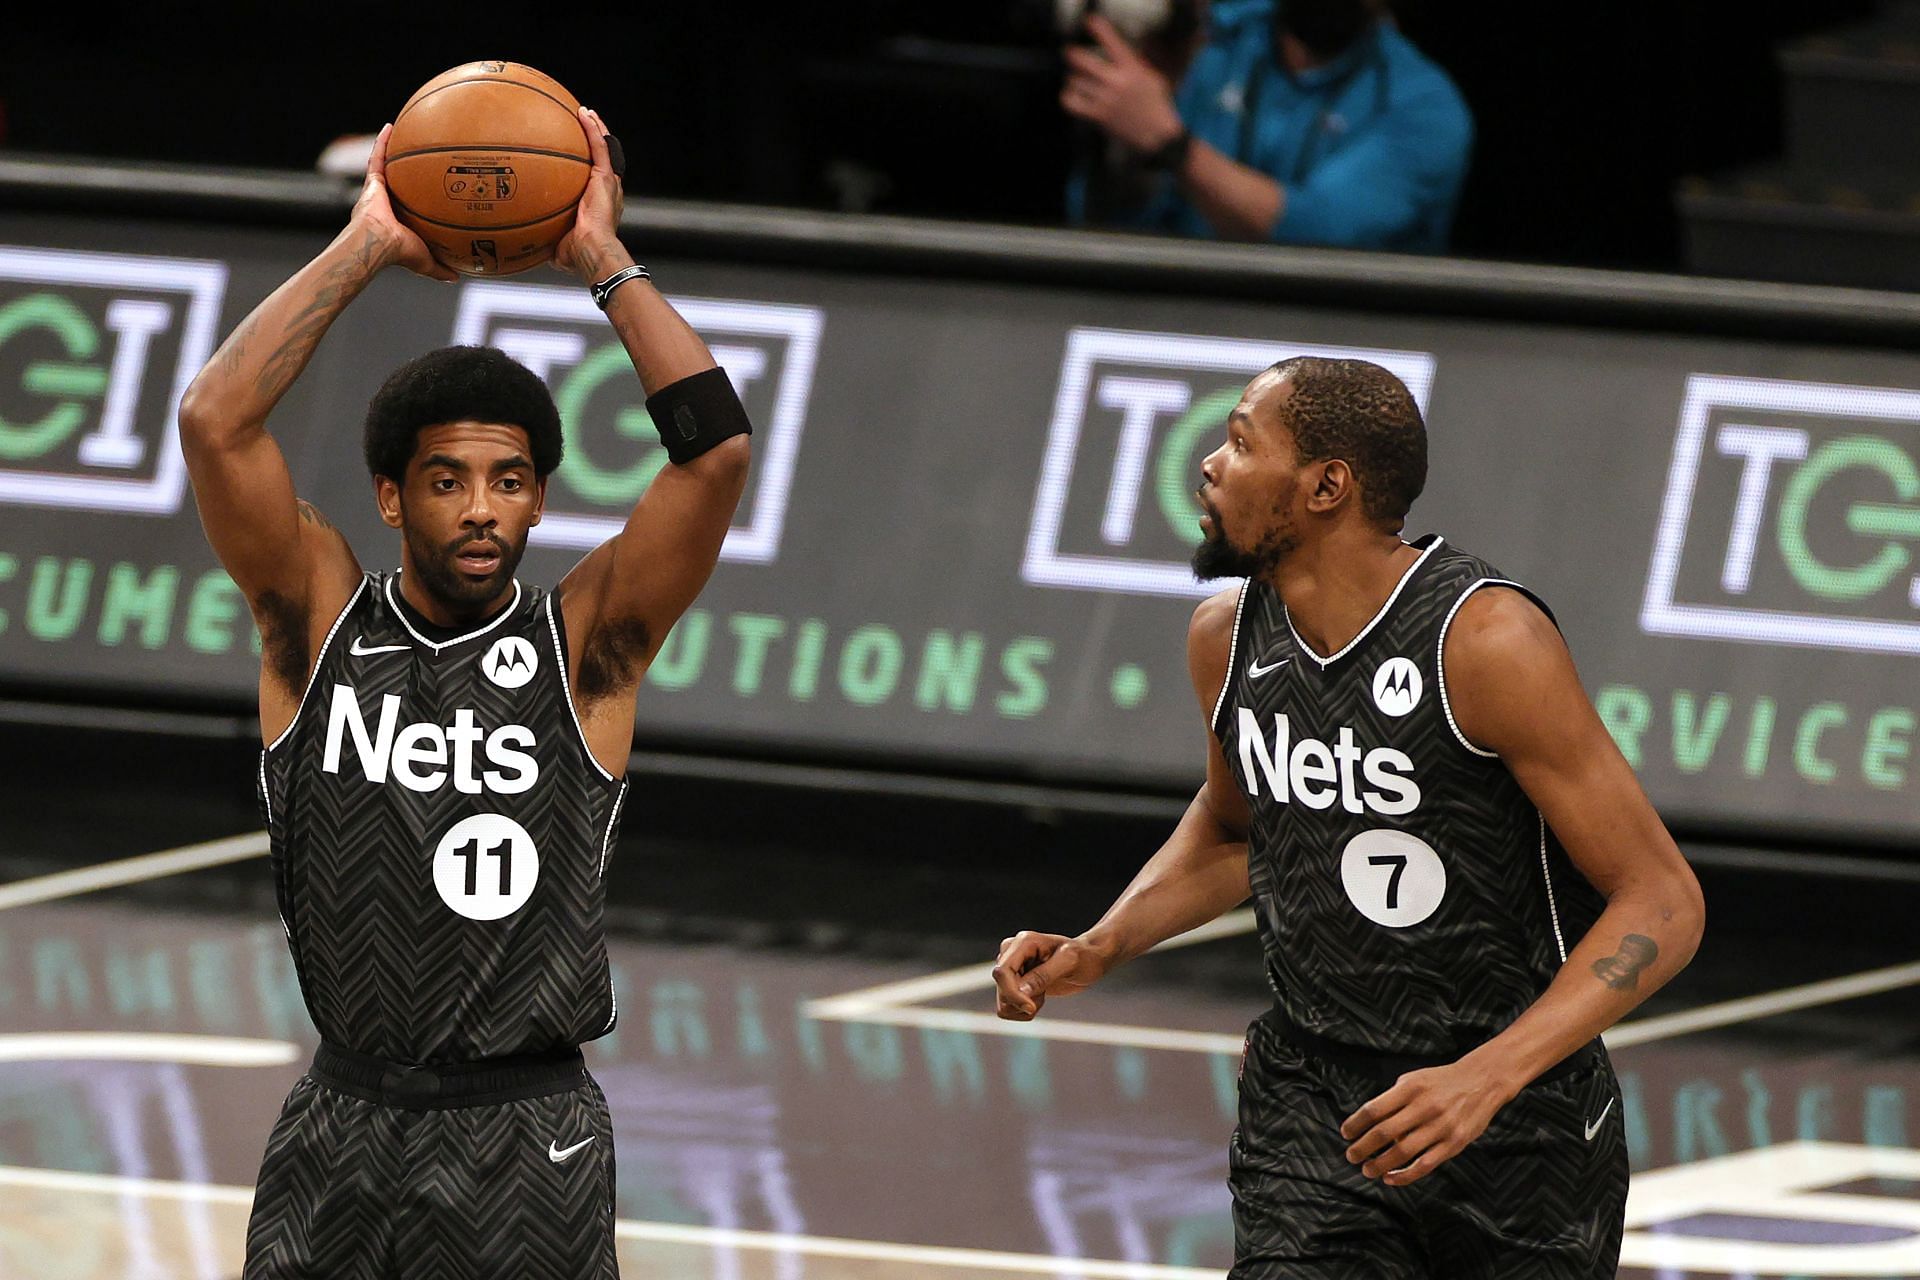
(360, 650)
(1599, 1120)
(1255, 670)
(555, 1154)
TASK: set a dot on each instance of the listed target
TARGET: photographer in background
(1298, 121)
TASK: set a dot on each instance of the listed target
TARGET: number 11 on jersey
(466, 881)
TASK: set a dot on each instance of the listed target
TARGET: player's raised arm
(1199, 874)
(283, 554)
(623, 597)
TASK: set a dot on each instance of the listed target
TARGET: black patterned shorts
(1534, 1198)
(354, 1188)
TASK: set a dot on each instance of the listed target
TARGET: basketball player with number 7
(1457, 881)
(445, 762)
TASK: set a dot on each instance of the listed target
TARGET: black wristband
(603, 289)
(697, 413)
(1171, 154)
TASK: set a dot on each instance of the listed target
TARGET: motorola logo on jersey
(1791, 517)
(510, 662)
(1320, 775)
(1397, 686)
(612, 451)
(96, 350)
(1133, 415)
(425, 756)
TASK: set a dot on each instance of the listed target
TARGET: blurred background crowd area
(1756, 138)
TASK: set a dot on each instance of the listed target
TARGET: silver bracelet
(604, 290)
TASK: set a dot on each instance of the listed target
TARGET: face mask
(1326, 27)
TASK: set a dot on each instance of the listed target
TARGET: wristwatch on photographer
(1171, 154)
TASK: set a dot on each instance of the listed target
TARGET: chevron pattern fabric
(439, 832)
(352, 1190)
(1410, 898)
(1534, 1198)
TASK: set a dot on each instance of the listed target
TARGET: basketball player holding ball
(1457, 880)
(444, 762)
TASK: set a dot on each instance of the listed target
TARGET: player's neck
(1337, 586)
(438, 614)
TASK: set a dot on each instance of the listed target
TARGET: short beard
(1218, 557)
(450, 588)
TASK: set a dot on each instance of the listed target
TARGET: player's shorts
(1541, 1195)
(497, 1170)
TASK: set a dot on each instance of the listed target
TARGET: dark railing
(892, 245)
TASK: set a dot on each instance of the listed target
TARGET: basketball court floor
(807, 1080)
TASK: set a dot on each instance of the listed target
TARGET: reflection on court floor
(789, 1114)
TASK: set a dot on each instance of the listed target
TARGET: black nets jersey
(440, 832)
(1410, 898)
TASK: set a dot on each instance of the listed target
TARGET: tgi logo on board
(1135, 414)
(1792, 516)
(768, 350)
(95, 352)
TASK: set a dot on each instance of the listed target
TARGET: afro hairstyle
(459, 384)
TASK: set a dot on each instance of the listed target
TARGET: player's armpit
(1221, 799)
(287, 559)
(292, 626)
(623, 598)
(293, 567)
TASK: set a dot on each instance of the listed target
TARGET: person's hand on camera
(1120, 91)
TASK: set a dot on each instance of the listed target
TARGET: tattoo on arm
(1621, 970)
(274, 370)
(303, 333)
(311, 514)
(234, 350)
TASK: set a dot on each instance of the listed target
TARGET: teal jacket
(1370, 148)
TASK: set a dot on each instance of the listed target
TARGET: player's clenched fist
(1033, 966)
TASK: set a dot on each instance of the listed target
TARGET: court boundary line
(899, 1004)
(125, 871)
(948, 982)
(1767, 1004)
(144, 1046)
(671, 1232)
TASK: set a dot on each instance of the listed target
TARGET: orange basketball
(486, 163)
